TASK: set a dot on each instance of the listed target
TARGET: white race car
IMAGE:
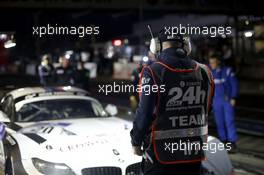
(63, 131)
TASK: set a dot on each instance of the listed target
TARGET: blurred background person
(226, 90)
(46, 71)
(65, 73)
(227, 56)
(82, 76)
(135, 77)
(99, 60)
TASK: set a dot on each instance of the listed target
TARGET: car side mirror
(111, 109)
(3, 117)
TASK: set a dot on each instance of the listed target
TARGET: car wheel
(9, 170)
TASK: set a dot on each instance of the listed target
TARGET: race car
(63, 131)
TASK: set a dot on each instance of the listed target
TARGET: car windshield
(59, 109)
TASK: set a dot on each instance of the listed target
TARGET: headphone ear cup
(154, 46)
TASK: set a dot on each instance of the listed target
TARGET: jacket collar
(175, 59)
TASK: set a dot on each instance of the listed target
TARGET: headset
(156, 45)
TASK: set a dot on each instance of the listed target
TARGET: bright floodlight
(67, 56)
(248, 34)
(66, 88)
(3, 36)
(70, 52)
(117, 42)
(9, 44)
(145, 59)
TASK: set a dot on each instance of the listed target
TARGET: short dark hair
(215, 56)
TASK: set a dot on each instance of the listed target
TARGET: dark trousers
(174, 169)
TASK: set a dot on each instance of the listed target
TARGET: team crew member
(177, 115)
(135, 77)
(226, 87)
(82, 76)
(65, 73)
(46, 71)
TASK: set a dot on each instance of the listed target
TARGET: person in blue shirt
(226, 90)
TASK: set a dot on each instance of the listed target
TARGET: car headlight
(51, 168)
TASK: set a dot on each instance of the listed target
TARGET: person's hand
(233, 102)
(137, 150)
